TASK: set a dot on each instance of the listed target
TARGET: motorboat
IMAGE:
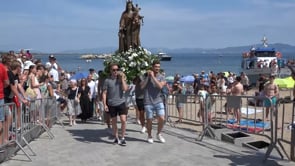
(164, 57)
(263, 60)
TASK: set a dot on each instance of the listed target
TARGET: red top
(3, 78)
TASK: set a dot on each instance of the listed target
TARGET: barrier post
(274, 132)
(57, 113)
(15, 132)
(207, 127)
(166, 107)
(292, 154)
(42, 116)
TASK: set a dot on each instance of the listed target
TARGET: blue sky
(57, 25)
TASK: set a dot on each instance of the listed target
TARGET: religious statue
(129, 30)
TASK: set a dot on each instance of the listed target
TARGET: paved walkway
(90, 144)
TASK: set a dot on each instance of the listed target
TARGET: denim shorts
(150, 109)
(2, 117)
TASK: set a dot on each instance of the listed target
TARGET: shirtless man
(237, 89)
(271, 91)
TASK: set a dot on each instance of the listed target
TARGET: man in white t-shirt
(53, 67)
(92, 87)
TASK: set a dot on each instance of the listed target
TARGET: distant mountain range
(284, 48)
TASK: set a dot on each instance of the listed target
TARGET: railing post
(293, 143)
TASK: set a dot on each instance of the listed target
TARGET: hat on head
(73, 81)
(27, 65)
(48, 65)
(52, 57)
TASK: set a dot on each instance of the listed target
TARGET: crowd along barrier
(219, 121)
(23, 123)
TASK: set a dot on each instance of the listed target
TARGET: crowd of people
(206, 86)
(27, 80)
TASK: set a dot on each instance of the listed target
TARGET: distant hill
(284, 48)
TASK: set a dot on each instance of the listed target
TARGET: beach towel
(252, 123)
(250, 110)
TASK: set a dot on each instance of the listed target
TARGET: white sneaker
(99, 118)
(138, 122)
(74, 123)
(143, 130)
(161, 138)
(150, 140)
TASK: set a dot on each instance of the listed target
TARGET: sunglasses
(115, 69)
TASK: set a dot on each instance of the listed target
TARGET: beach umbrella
(284, 82)
(187, 79)
(169, 78)
(80, 75)
(226, 74)
(280, 82)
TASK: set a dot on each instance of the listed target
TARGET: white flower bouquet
(134, 62)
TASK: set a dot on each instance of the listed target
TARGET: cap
(27, 65)
(51, 57)
(48, 65)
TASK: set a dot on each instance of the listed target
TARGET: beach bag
(77, 100)
(16, 101)
(31, 93)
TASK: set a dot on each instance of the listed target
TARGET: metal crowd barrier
(286, 127)
(252, 111)
(24, 123)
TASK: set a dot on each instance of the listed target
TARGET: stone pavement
(90, 144)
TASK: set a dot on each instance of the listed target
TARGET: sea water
(183, 64)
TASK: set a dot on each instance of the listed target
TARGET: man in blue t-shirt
(152, 85)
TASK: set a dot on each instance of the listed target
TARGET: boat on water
(164, 57)
(263, 60)
(88, 60)
(93, 56)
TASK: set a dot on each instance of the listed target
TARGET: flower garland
(132, 63)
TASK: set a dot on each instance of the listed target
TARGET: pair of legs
(180, 113)
(140, 110)
(269, 104)
(2, 118)
(237, 114)
(73, 111)
(160, 111)
(180, 100)
(122, 111)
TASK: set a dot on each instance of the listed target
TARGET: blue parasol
(187, 79)
(80, 75)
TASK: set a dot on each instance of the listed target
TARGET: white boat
(88, 60)
(93, 56)
(263, 60)
(164, 57)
